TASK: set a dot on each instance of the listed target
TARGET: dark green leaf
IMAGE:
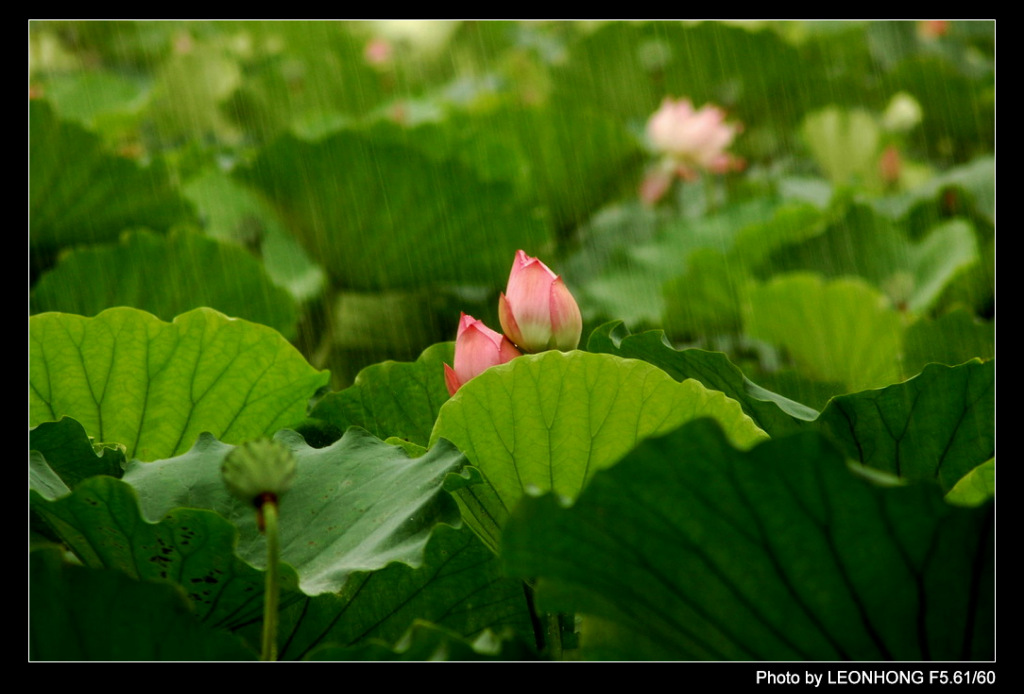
(78, 614)
(937, 426)
(690, 549)
(393, 398)
(166, 276)
(772, 412)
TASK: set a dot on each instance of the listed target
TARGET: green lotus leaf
(842, 331)
(458, 585)
(166, 276)
(937, 426)
(359, 200)
(71, 455)
(419, 570)
(398, 399)
(547, 422)
(78, 193)
(78, 614)
(154, 387)
(772, 412)
(691, 549)
(354, 505)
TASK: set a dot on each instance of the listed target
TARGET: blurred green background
(355, 185)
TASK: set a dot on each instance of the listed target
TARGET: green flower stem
(268, 512)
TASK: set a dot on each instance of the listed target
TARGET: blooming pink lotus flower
(537, 312)
(378, 52)
(692, 139)
(477, 348)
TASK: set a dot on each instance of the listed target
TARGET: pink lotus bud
(477, 348)
(537, 312)
(692, 138)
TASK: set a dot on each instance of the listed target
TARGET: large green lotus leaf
(843, 330)
(547, 422)
(378, 213)
(690, 549)
(937, 426)
(458, 585)
(392, 398)
(354, 505)
(80, 614)
(451, 579)
(771, 411)
(427, 642)
(152, 386)
(80, 194)
(166, 276)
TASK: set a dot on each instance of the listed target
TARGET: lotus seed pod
(259, 468)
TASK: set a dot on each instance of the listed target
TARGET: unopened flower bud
(537, 311)
(477, 348)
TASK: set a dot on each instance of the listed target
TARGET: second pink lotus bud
(477, 348)
(537, 311)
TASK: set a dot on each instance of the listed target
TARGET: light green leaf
(547, 422)
(845, 143)
(690, 549)
(842, 330)
(947, 250)
(354, 505)
(132, 379)
(235, 214)
(976, 487)
(913, 273)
